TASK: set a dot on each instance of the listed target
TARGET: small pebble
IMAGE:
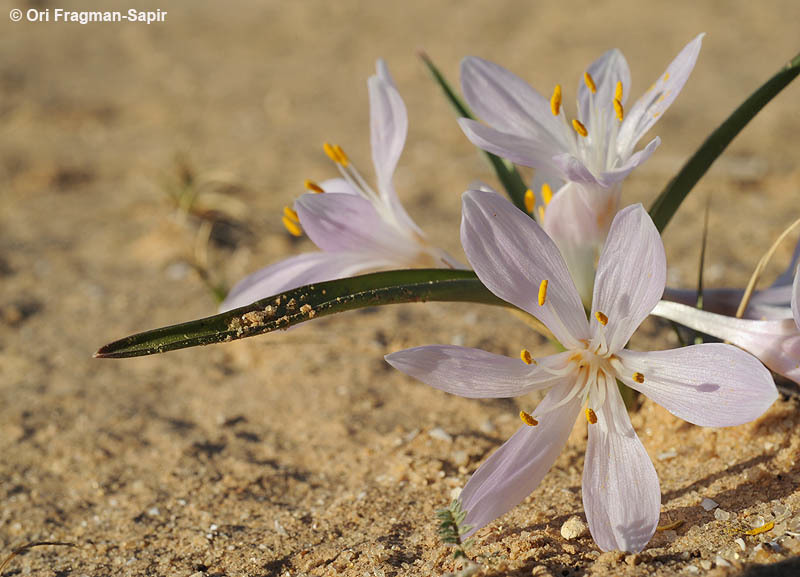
(720, 561)
(667, 455)
(488, 427)
(573, 528)
(705, 564)
(153, 512)
(708, 504)
(740, 542)
(460, 458)
(692, 569)
(440, 434)
(633, 560)
(721, 515)
(455, 493)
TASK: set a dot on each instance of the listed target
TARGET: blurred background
(143, 167)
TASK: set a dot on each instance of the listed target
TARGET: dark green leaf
(506, 172)
(305, 303)
(679, 187)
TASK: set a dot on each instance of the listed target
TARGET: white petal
(795, 297)
(517, 468)
(508, 103)
(519, 149)
(295, 272)
(618, 174)
(474, 373)
(644, 113)
(512, 255)
(711, 385)
(631, 275)
(621, 494)
(606, 71)
(388, 125)
(775, 343)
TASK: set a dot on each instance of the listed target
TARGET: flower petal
(517, 468)
(346, 222)
(711, 385)
(631, 275)
(295, 272)
(617, 175)
(606, 71)
(621, 494)
(474, 373)
(388, 124)
(795, 296)
(776, 343)
(519, 149)
(508, 103)
(512, 255)
(644, 113)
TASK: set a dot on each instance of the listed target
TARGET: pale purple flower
(356, 227)
(711, 385)
(583, 160)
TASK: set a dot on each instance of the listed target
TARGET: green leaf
(679, 187)
(506, 172)
(305, 303)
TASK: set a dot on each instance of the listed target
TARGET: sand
(302, 452)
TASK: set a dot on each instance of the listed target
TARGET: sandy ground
(302, 453)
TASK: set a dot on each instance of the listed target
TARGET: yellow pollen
(528, 419)
(666, 76)
(541, 213)
(762, 529)
(542, 292)
(638, 377)
(618, 91)
(292, 226)
(579, 127)
(547, 193)
(555, 100)
(330, 151)
(312, 186)
(526, 357)
(530, 200)
(619, 110)
(591, 416)
(601, 318)
(343, 160)
(587, 78)
(290, 214)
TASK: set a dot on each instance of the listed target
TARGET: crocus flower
(356, 227)
(711, 385)
(583, 160)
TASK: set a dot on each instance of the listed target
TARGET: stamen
(601, 318)
(528, 419)
(343, 160)
(542, 292)
(618, 91)
(547, 193)
(290, 214)
(591, 416)
(330, 151)
(312, 186)
(579, 127)
(541, 213)
(638, 377)
(530, 200)
(587, 78)
(619, 110)
(526, 357)
(555, 100)
(293, 227)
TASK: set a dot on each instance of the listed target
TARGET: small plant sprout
(715, 385)
(356, 227)
(452, 529)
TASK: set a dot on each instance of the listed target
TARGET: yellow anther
(619, 109)
(292, 226)
(290, 214)
(555, 100)
(591, 416)
(330, 151)
(541, 213)
(601, 318)
(542, 292)
(547, 193)
(638, 377)
(343, 160)
(526, 357)
(530, 201)
(587, 78)
(618, 91)
(762, 529)
(579, 127)
(528, 419)
(312, 186)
